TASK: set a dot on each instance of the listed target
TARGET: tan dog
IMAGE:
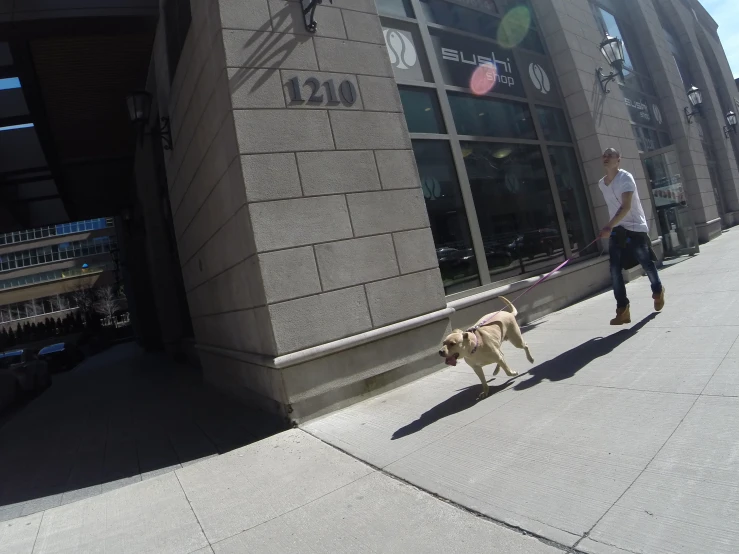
(481, 345)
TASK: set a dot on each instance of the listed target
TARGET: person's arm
(626, 198)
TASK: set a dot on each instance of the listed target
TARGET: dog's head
(456, 344)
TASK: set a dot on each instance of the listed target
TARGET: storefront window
(515, 207)
(488, 117)
(478, 21)
(553, 124)
(395, 8)
(447, 215)
(422, 111)
(575, 206)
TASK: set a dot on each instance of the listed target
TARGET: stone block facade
(305, 243)
(288, 205)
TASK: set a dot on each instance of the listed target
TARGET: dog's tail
(514, 311)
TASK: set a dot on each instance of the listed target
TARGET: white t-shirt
(635, 220)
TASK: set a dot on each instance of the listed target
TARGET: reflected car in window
(528, 245)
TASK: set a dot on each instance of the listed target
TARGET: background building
(44, 270)
(314, 211)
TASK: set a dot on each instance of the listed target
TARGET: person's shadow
(562, 367)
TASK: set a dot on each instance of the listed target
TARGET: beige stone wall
(297, 223)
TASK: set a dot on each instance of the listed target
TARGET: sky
(726, 14)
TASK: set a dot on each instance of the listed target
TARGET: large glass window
(488, 117)
(421, 109)
(554, 124)
(483, 18)
(447, 215)
(574, 201)
(485, 60)
(395, 8)
(514, 205)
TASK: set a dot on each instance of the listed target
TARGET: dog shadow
(562, 367)
(567, 364)
(454, 404)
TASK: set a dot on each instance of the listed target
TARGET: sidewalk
(617, 440)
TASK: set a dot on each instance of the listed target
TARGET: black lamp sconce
(695, 96)
(612, 49)
(730, 124)
(139, 111)
(309, 10)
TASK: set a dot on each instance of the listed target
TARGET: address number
(346, 93)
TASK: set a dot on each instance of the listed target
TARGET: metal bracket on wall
(309, 10)
(164, 133)
(604, 79)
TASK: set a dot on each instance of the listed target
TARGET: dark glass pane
(515, 207)
(488, 117)
(575, 206)
(421, 110)
(447, 215)
(464, 19)
(554, 124)
(397, 8)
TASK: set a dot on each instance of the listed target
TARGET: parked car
(541, 241)
(21, 372)
(61, 356)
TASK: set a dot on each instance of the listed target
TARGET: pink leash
(484, 322)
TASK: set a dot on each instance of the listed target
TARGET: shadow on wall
(562, 367)
(270, 49)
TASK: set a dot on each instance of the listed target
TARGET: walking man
(628, 232)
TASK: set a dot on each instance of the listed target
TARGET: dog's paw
(483, 395)
(513, 374)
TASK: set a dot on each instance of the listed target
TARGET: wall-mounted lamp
(730, 124)
(139, 111)
(612, 49)
(696, 100)
(309, 10)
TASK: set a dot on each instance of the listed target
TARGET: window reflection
(573, 199)
(447, 215)
(553, 124)
(478, 21)
(488, 117)
(395, 8)
(515, 207)
(422, 111)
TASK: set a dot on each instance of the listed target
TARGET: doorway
(679, 234)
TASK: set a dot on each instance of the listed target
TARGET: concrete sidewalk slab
(247, 487)
(725, 381)
(553, 460)
(19, 535)
(688, 498)
(381, 515)
(152, 516)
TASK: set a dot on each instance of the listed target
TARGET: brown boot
(623, 316)
(659, 300)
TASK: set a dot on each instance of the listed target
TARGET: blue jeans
(640, 248)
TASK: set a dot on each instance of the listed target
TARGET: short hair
(612, 152)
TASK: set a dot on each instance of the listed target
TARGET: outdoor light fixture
(612, 49)
(696, 100)
(731, 124)
(309, 10)
(139, 111)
